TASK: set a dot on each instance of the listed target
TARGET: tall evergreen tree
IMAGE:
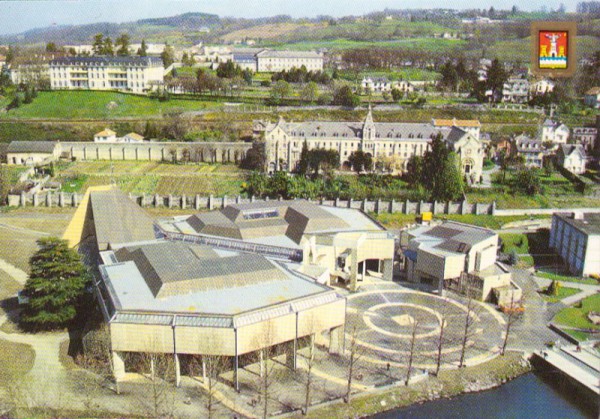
(108, 47)
(449, 185)
(167, 56)
(303, 163)
(143, 49)
(55, 286)
(98, 45)
(122, 43)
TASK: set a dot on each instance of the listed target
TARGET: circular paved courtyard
(384, 321)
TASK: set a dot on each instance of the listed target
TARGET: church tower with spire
(368, 128)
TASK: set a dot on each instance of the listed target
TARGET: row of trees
(301, 75)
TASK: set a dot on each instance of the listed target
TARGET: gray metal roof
(31, 147)
(173, 268)
(117, 219)
(588, 222)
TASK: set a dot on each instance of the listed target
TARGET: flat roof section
(587, 222)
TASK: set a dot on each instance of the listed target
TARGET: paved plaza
(384, 316)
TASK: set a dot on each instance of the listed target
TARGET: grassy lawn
(562, 293)
(547, 273)
(576, 316)
(95, 105)
(16, 359)
(514, 242)
(399, 220)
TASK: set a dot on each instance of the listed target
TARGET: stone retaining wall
(197, 202)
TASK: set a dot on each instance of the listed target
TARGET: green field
(97, 105)
(576, 316)
(563, 292)
(423, 44)
(153, 177)
(398, 220)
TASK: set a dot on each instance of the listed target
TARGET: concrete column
(349, 202)
(493, 208)
(48, 200)
(252, 198)
(170, 201)
(152, 370)
(378, 206)
(336, 340)
(434, 207)
(392, 206)
(261, 362)
(137, 153)
(36, 199)
(353, 271)
(211, 204)
(61, 199)
(177, 370)
(364, 205)
(238, 199)
(364, 269)
(337, 202)
(203, 370)
(406, 206)
(118, 366)
(420, 209)
(74, 199)
(388, 269)
(183, 201)
(224, 202)
(157, 200)
(23, 199)
(463, 207)
(197, 203)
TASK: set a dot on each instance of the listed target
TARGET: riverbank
(449, 383)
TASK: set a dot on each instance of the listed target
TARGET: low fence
(197, 202)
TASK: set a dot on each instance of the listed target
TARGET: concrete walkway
(541, 211)
(16, 273)
(586, 289)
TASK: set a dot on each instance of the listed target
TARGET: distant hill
(184, 21)
(175, 29)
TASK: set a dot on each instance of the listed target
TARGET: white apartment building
(515, 90)
(576, 238)
(272, 61)
(541, 87)
(572, 157)
(132, 74)
(390, 140)
(554, 132)
(531, 150)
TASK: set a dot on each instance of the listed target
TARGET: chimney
(578, 215)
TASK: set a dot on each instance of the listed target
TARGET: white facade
(541, 87)
(516, 90)
(109, 136)
(383, 141)
(576, 238)
(133, 74)
(586, 136)
(572, 157)
(272, 61)
(554, 132)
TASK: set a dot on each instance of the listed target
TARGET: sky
(17, 16)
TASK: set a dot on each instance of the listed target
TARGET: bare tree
(354, 354)
(266, 365)
(212, 366)
(468, 327)
(310, 362)
(413, 338)
(441, 340)
(513, 313)
(159, 400)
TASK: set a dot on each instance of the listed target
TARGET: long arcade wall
(201, 152)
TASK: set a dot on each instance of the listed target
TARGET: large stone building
(271, 60)
(459, 257)
(132, 74)
(188, 301)
(338, 245)
(576, 238)
(397, 140)
(586, 136)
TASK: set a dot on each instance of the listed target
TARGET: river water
(535, 395)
